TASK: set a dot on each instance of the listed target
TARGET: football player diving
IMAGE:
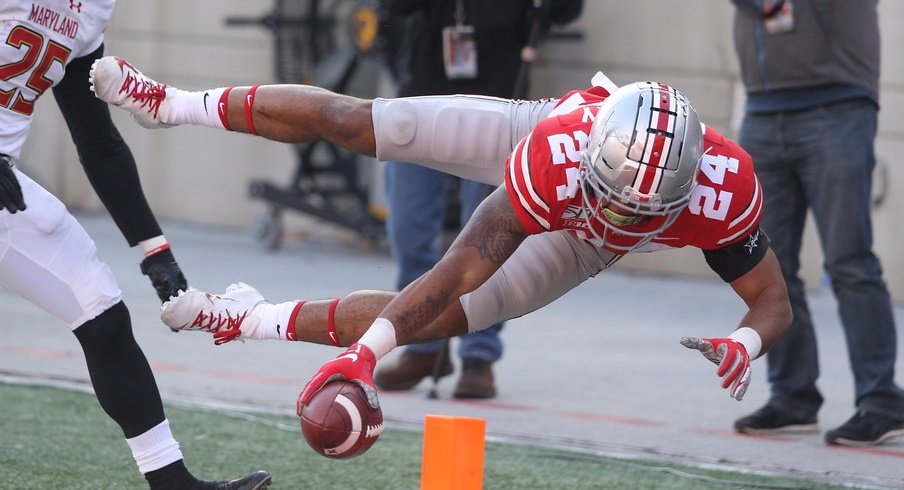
(582, 180)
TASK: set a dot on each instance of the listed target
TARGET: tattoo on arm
(421, 314)
(495, 232)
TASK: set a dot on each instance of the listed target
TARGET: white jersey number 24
(706, 200)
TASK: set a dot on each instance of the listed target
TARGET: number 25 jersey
(38, 39)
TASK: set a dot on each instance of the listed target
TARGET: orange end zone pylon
(453, 453)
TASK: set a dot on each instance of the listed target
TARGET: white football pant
(49, 259)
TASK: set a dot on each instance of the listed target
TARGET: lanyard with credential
(459, 47)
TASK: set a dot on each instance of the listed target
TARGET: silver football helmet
(641, 164)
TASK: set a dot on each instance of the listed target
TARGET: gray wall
(201, 175)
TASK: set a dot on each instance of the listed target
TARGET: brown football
(339, 423)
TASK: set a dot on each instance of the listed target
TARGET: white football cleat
(116, 82)
(227, 316)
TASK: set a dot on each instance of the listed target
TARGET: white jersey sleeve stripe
(754, 203)
(756, 207)
(526, 175)
(523, 187)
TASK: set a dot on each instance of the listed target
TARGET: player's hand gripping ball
(339, 423)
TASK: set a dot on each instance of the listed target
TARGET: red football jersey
(542, 180)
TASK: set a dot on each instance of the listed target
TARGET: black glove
(165, 274)
(10, 192)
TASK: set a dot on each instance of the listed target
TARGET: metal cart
(322, 43)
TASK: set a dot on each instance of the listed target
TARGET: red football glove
(731, 357)
(355, 364)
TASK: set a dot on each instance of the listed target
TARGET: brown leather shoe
(476, 380)
(406, 371)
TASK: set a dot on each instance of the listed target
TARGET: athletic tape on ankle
(154, 245)
(165, 246)
(249, 103)
(331, 323)
(221, 108)
(290, 328)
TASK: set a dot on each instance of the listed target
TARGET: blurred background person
(811, 72)
(444, 47)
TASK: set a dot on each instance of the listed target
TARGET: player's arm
(763, 290)
(751, 268)
(113, 173)
(491, 236)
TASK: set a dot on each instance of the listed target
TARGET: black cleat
(255, 481)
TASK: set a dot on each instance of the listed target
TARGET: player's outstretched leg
(242, 313)
(235, 314)
(154, 104)
(286, 113)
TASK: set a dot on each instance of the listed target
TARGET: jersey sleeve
(537, 183)
(739, 258)
(729, 193)
(521, 184)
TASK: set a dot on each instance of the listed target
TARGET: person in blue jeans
(417, 197)
(811, 70)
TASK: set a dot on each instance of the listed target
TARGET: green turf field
(58, 439)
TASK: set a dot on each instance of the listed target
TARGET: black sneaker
(769, 419)
(258, 480)
(866, 429)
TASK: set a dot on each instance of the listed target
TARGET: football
(338, 423)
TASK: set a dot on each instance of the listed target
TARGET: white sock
(155, 448)
(195, 108)
(273, 321)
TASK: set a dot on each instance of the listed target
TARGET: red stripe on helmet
(649, 175)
